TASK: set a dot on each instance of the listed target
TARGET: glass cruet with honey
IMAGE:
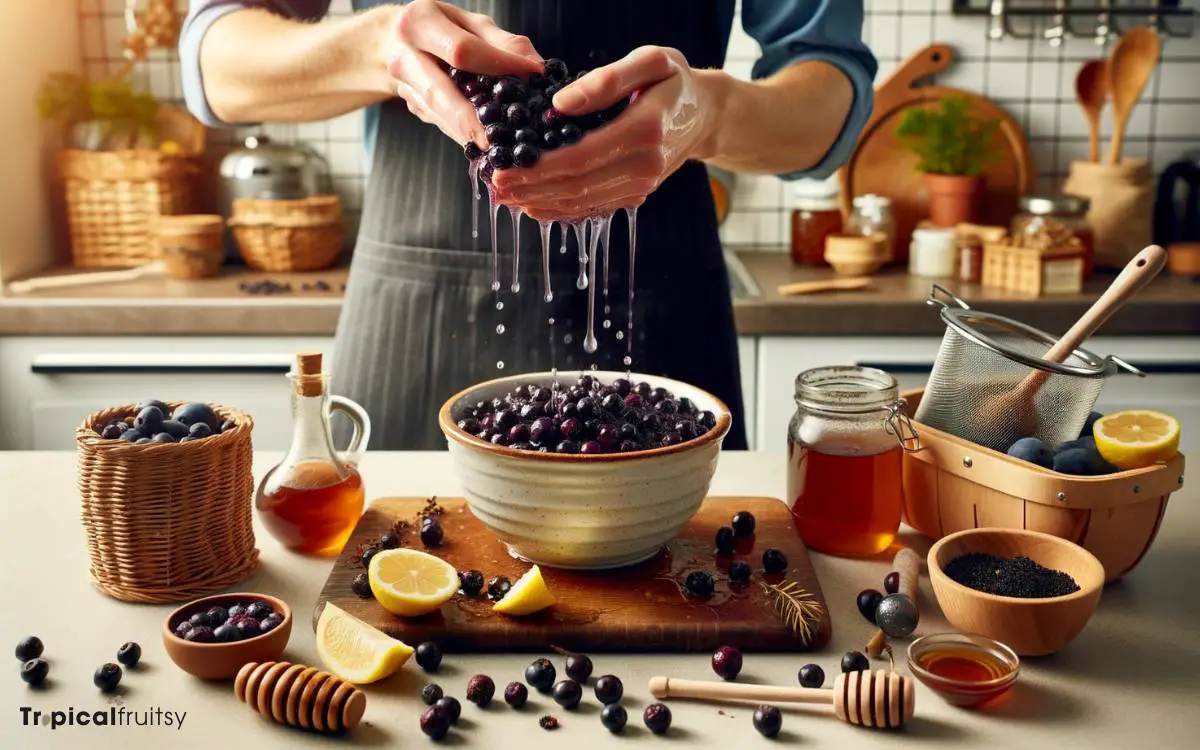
(845, 445)
(313, 499)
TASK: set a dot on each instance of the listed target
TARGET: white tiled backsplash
(1029, 78)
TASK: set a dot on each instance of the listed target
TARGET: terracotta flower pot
(953, 199)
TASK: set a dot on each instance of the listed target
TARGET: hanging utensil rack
(1100, 20)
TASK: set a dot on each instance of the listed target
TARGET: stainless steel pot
(268, 170)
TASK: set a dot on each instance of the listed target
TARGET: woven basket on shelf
(289, 235)
(114, 197)
(191, 245)
(167, 522)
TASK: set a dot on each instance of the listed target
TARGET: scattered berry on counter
(657, 718)
(579, 667)
(471, 582)
(1015, 576)
(739, 571)
(724, 540)
(431, 533)
(743, 523)
(614, 717)
(107, 677)
(609, 689)
(774, 561)
(498, 587)
(1032, 450)
(29, 648)
(868, 602)
(362, 586)
(435, 722)
(390, 540)
(451, 706)
(515, 694)
(367, 554)
(568, 693)
(768, 720)
(129, 654)
(265, 287)
(34, 671)
(480, 690)
(431, 693)
(811, 676)
(200, 634)
(429, 656)
(699, 583)
(320, 285)
(548, 722)
(891, 583)
(541, 675)
(727, 662)
(855, 661)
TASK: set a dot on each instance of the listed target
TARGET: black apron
(420, 320)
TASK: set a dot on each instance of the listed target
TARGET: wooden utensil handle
(933, 59)
(825, 285)
(908, 564)
(1137, 273)
(670, 687)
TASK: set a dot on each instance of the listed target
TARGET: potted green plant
(102, 115)
(953, 147)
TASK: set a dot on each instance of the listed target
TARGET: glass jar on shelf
(815, 217)
(871, 216)
(1052, 220)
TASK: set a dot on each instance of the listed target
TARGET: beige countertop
(895, 305)
(1128, 681)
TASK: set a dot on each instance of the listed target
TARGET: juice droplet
(516, 287)
(631, 215)
(594, 366)
(599, 229)
(493, 211)
(495, 286)
(499, 305)
(515, 214)
(500, 328)
(473, 174)
(607, 324)
(471, 318)
(551, 321)
(500, 365)
(581, 282)
(544, 231)
(627, 361)
(590, 345)
(620, 335)
(568, 338)
(548, 296)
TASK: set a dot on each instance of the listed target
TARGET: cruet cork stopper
(300, 696)
(309, 380)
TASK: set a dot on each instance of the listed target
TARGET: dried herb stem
(795, 606)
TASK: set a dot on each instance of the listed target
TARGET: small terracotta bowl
(221, 661)
(1030, 627)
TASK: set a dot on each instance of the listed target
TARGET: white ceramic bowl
(577, 511)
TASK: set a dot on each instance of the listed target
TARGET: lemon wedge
(355, 651)
(528, 595)
(1134, 439)
(410, 583)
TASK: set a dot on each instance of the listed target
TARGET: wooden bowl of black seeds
(1033, 592)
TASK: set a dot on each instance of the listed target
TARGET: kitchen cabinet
(1172, 384)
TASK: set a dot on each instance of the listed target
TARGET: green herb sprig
(949, 140)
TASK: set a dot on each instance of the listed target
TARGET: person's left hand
(669, 121)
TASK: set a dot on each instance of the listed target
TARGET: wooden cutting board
(883, 165)
(639, 608)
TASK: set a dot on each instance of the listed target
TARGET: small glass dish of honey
(965, 670)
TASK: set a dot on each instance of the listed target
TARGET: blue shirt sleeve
(201, 16)
(792, 31)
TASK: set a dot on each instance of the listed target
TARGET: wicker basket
(951, 484)
(113, 199)
(289, 235)
(191, 245)
(167, 522)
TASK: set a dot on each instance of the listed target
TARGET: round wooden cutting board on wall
(882, 164)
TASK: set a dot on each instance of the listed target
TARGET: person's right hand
(425, 32)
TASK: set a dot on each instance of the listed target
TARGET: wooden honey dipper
(879, 699)
(300, 696)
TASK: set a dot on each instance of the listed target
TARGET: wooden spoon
(1091, 91)
(1012, 414)
(1134, 58)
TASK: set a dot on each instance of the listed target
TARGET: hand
(425, 32)
(670, 120)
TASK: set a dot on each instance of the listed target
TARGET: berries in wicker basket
(156, 422)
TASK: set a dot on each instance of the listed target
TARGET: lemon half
(355, 651)
(528, 595)
(411, 583)
(1134, 439)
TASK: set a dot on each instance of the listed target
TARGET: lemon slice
(1133, 439)
(528, 595)
(355, 651)
(410, 583)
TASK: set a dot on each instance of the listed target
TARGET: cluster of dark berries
(156, 423)
(442, 713)
(542, 676)
(226, 625)
(519, 118)
(869, 599)
(320, 285)
(35, 669)
(265, 287)
(589, 417)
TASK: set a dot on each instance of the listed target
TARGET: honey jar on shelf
(816, 217)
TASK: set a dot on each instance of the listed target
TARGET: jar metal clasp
(898, 424)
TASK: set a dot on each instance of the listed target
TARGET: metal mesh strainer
(985, 356)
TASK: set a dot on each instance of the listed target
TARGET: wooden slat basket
(952, 484)
(280, 236)
(167, 522)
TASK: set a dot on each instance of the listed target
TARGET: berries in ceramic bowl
(154, 421)
(618, 462)
(211, 638)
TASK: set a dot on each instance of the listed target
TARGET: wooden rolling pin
(300, 696)
(879, 699)
(901, 612)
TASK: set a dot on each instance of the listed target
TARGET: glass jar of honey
(816, 216)
(1056, 218)
(845, 445)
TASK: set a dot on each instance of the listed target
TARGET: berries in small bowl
(211, 638)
